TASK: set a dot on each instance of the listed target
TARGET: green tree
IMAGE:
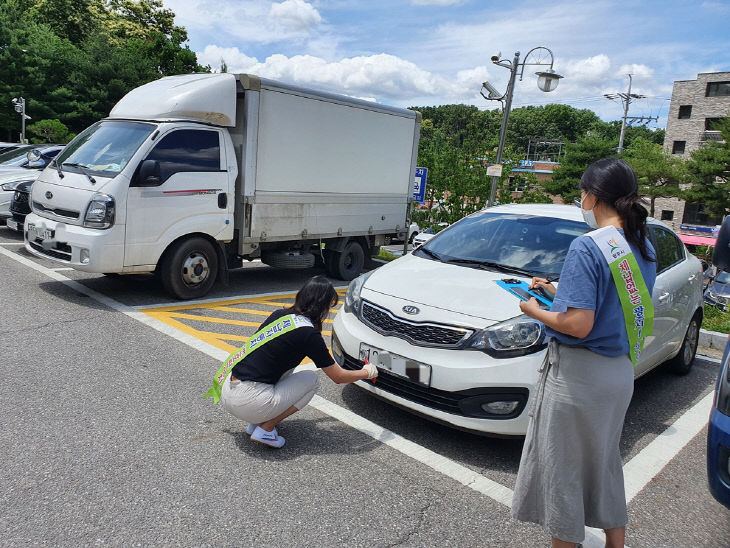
(49, 131)
(578, 156)
(708, 169)
(659, 174)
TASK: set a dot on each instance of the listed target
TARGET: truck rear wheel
(348, 263)
(189, 268)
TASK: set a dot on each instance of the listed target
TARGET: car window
(187, 150)
(723, 277)
(16, 156)
(531, 242)
(669, 248)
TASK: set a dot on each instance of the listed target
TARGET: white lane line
(442, 464)
(12, 243)
(709, 359)
(62, 268)
(652, 459)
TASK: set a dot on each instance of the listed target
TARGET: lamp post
(19, 105)
(547, 81)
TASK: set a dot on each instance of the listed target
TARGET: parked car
(718, 431)
(426, 235)
(453, 346)
(9, 146)
(718, 291)
(19, 206)
(22, 166)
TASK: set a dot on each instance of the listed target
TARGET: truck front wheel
(348, 263)
(189, 268)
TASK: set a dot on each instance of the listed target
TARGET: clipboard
(522, 291)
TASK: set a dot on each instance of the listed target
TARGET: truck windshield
(105, 148)
(534, 244)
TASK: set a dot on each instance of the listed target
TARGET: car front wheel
(682, 362)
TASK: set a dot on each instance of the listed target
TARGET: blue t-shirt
(586, 282)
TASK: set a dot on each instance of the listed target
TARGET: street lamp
(19, 105)
(547, 81)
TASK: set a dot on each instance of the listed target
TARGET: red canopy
(696, 240)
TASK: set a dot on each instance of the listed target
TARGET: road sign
(419, 184)
(494, 170)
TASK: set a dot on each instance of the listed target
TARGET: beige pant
(257, 402)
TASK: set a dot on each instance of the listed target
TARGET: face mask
(588, 216)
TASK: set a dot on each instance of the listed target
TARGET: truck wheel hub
(195, 269)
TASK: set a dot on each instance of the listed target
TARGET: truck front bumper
(86, 249)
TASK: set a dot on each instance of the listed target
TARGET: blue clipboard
(510, 286)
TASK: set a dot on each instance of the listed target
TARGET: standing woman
(262, 388)
(571, 473)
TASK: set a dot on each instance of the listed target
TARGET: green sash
(260, 338)
(635, 298)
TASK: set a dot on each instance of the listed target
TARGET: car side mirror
(721, 255)
(149, 174)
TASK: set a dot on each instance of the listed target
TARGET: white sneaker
(272, 439)
(250, 428)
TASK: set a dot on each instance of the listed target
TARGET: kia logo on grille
(49, 195)
(411, 310)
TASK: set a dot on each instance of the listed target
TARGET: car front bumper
(460, 379)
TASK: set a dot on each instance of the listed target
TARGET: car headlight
(12, 187)
(353, 303)
(100, 211)
(516, 337)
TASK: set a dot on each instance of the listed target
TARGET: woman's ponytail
(613, 182)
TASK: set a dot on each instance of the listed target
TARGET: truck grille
(418, 333)
(67, 213)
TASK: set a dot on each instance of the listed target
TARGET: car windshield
(16, 157)
(105, 148)
(531, 243)
(723, 277)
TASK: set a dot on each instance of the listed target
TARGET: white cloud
(381, 77)
(434, 2)
(296, 14)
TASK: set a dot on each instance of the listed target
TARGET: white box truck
(189, 175)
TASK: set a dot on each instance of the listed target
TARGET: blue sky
(432, 52)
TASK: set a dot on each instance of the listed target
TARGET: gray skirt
(571, 474)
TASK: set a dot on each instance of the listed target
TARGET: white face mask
(588, 216)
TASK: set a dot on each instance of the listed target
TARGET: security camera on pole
(547, 81)
(19, 105)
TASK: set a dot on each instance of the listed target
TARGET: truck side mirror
(149, 174)
(721, 255)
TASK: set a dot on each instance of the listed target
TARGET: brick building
(695, 107)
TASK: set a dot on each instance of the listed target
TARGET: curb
(713, 339)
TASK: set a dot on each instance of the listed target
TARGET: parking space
(422, 477)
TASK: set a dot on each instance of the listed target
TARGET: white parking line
(638, 472)
(12, 243)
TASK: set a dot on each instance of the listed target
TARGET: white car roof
(560, 211)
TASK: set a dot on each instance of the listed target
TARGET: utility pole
(626, 99)
(19, 105)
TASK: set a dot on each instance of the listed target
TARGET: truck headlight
(353, 303)
(100, 211)
(516, 337)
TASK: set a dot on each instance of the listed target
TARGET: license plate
(36, 233)
(14, 225)
(398, 365)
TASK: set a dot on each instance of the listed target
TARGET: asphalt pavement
(107, 439)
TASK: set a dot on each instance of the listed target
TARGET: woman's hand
(371, 370)
(530, 307)
(544, 284)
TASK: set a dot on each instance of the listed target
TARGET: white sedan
(453, 346)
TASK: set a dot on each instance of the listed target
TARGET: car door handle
(663, 296)
(692, 277)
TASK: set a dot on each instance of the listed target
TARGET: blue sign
(419, 184)
(527, 163)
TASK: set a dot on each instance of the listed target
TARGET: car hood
(19, 174)
(453, 288)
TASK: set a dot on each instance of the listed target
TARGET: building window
(678, 147)
(718, 89)
(685, 111)
(711, 124)
(698, 214)
(667, 215)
